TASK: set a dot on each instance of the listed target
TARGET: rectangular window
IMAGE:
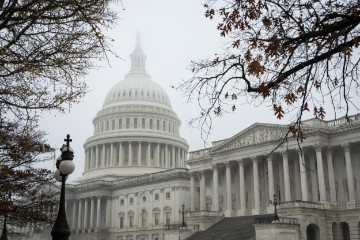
(128, 123)
(158, 124)
(121, 222)
(131, 200)
(107, 126)
(113, 124)
(143, 123)
(131, 221)
(122, 202)
(151, 124)
(135, 122)
(157, 217)
(156, 196)
(164, 126)
(168, 195)
(167, 217)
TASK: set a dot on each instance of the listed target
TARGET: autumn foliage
(26, 196)
(46, 48)
(299, 55)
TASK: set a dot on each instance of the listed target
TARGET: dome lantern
(138, 57)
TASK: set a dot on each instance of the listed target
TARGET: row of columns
(82, 218)
(155, 154)
(286, 175)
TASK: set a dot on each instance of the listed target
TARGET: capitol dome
(136, 132)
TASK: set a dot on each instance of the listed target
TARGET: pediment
(253, 135)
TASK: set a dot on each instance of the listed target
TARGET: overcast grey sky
(172, 34)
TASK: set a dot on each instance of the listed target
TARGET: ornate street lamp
(183, 211)
(4, 231)
(65, 166)
(275, 202)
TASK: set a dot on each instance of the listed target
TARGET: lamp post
(183, 211)
(4, 231)
(65, 166)
(275, 202)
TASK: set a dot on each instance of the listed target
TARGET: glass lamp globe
(57, 176)
(66, 167)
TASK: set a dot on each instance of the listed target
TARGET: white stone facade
(135, 180)
(318, 185)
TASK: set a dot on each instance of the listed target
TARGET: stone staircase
(232, 228)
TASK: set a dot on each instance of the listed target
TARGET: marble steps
(232, 228)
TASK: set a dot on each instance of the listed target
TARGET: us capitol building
(138, 174)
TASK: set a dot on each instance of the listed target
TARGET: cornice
(101, 185)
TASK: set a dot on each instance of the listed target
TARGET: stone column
(178, 161)
(271, 176)
(166, 156)
(242, 188)
(121, 157)
(158, 159)
(173, 161)
(98, 212)
(130, 154)
(74, 216)
(286, 171)
(331, 175)
(80, 214)
(349, 173)
(202, 191)
(303, 180)
(92, 211)
(112, 154)
(148, 154)
(256, 209)
(103, 156)
(97, 158)
(320, 172)
(93, 158)
(192, 192)
(215, 200)
(87, 159)
(108, 213)
(139, 154)
(228, 211)
(86, 219)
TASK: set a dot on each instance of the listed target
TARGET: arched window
(120, 123)
(143, 123)
(312, 232)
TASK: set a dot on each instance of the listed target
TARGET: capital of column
(285, 153)
(318, 147)
(346, 147)
(214, 166)
(328, 149)
(240, 162)
(254, 158)
(227, 163)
